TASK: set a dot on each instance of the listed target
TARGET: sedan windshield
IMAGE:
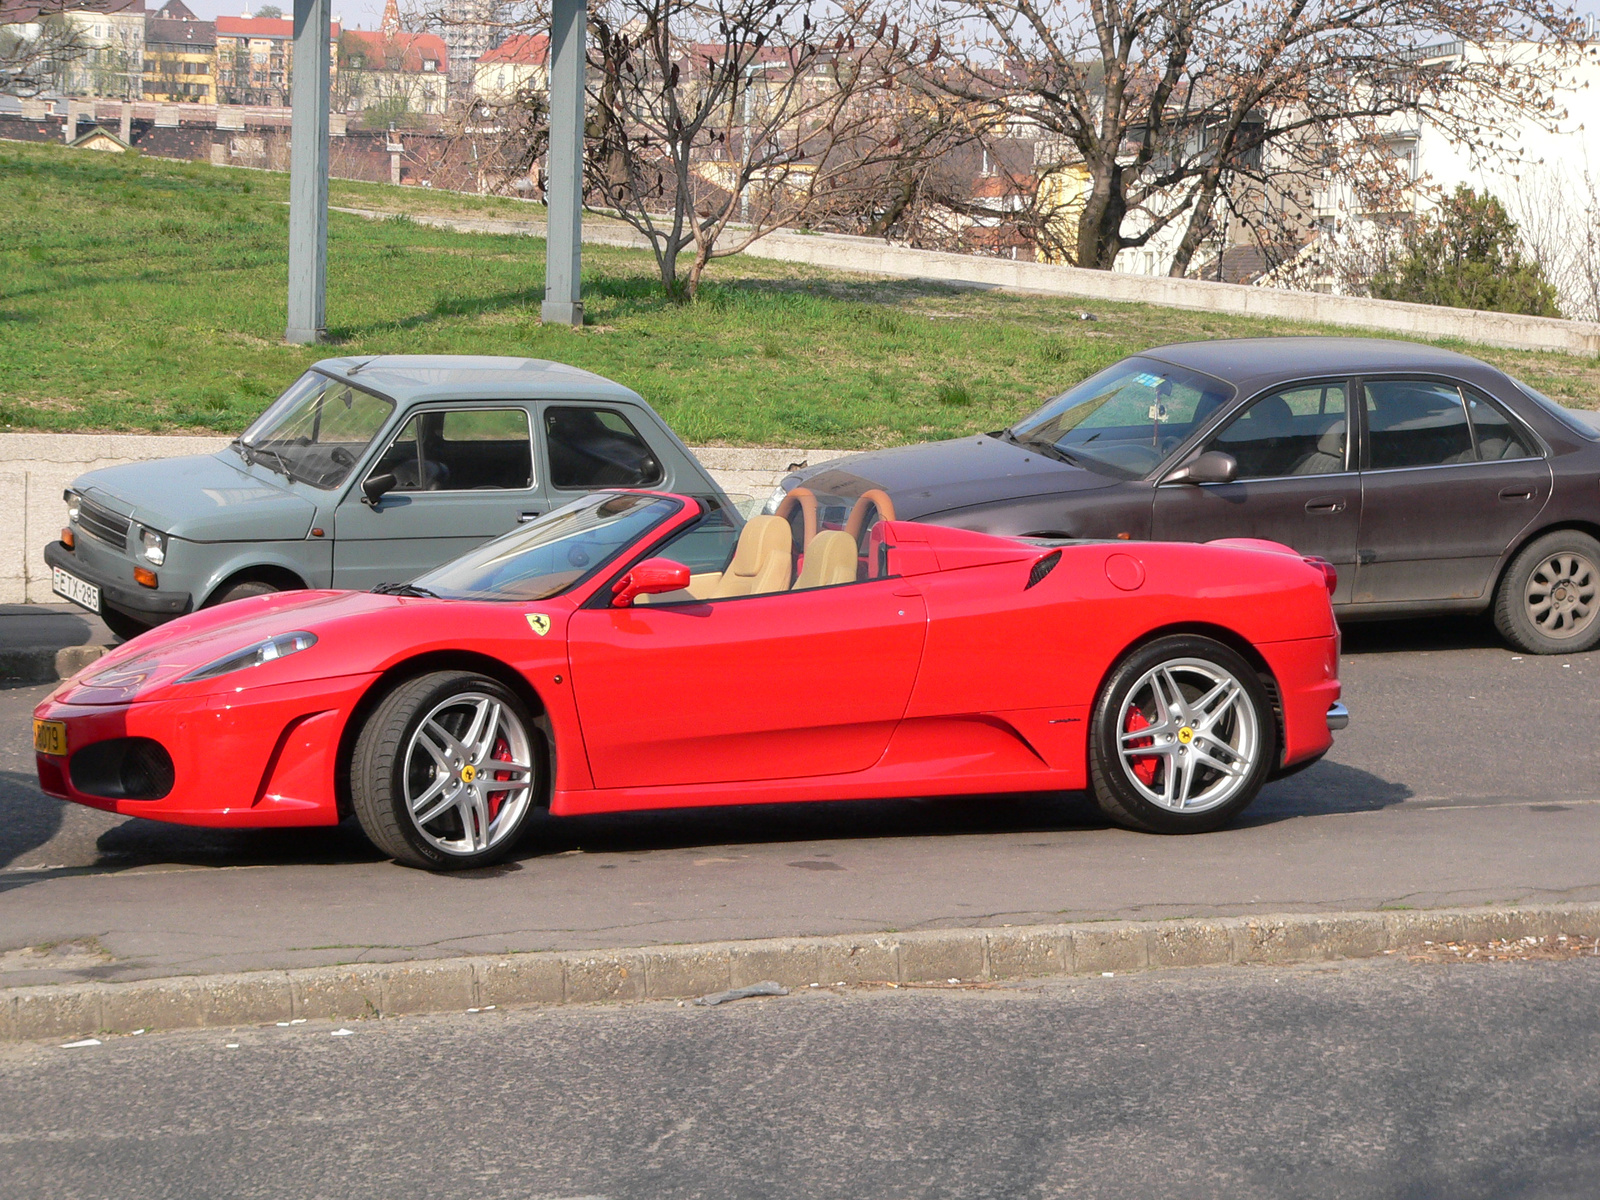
(316, 431)
(546, 557)
(1125, 420)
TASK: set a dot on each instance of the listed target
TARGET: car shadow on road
(1423, 633)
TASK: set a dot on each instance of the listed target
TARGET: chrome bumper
(1338, 716)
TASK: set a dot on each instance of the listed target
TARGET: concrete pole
(125, 126)
(563, 302)
(308, 173)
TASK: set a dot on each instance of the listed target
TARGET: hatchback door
(1450, 481)
(462, 475)
(1296, 484)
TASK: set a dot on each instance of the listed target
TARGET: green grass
(138, 294)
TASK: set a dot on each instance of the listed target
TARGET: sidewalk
(40, 643)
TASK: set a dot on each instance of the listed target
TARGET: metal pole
(563, 301)
(308, 173)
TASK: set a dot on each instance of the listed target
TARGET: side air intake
(1042, 568)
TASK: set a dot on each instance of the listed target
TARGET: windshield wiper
(405, 589)
(245, 449)
(1048, 449)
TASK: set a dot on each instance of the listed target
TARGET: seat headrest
(762, 539)
(1332, 440)
(830, 560)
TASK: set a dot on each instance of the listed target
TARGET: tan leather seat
(830, 560)
(763, 561)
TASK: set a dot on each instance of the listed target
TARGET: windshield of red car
(546, 557)
(1125, 420)
(316, 431)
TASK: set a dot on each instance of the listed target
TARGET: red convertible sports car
(640, 650)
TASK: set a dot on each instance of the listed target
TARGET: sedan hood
(938, 476)
(201, 498)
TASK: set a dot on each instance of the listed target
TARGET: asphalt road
(1382, 1079)
(1467, 776)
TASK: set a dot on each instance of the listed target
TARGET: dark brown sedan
(1432, 481)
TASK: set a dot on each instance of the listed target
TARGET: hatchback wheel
(1183, 737)
(446, 770)
(1548, 601)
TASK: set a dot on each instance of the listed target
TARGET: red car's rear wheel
(1183, 737)
(446, 770)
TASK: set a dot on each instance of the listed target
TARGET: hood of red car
(157, 660)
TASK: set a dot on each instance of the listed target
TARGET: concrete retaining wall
(36, 467)
(872, 257)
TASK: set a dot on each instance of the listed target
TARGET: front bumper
(144, 602)
(248, 759)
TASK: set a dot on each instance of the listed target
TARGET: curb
(42, 664)
(549, 978)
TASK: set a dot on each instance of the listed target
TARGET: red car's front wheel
(446, 770)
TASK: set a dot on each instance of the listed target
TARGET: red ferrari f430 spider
(639, 650)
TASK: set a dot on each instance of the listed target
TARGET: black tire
(1246, 739)
(1547, 602)
(390, 757)
(125, 627)
(241, 591)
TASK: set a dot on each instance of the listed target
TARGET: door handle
(1516, 493)
(524, 517)
(1325, 504)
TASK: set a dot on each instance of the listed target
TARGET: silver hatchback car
(367, 471)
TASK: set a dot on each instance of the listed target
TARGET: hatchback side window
(1497, 435)
(1301, 431)
(1415, 423)
(596, 448)
(461, 450)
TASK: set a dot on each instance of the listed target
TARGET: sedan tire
(1547, 601)
(1183, 737)
(446, 770)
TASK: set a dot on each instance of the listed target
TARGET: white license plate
(77, 590)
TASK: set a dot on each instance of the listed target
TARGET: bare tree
(712, 123)
(36, 55)
(1162, 102)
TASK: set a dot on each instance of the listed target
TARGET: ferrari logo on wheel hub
(1186, 735)
(468, 773)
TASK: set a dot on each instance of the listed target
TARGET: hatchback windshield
(1124, 420)
(547, 556)
(316, 431)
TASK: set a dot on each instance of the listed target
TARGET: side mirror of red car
(650, 578)
(1211, 467)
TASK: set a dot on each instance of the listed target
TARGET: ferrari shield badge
(539, 623)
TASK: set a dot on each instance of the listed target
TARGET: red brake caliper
(502, 751)
(1144, 767)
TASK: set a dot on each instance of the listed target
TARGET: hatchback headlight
(266, 651)
(74, 504)
(152, 546)
(771, 506)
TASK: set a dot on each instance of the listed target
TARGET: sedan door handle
(1516, 493)
(524, 517)
(1325, 504)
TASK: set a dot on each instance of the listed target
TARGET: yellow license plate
(50, 737)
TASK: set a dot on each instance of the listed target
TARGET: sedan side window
(597, 448)
(1415, 423)
(1301, 431)
(1497, 435)
(461, 450)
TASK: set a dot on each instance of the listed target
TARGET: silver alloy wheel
(468, 774)
(1560, 595)
(1188, 735)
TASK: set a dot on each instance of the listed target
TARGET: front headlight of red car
(265, 651)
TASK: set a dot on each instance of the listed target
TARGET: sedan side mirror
(1211, 467)
(650, 578)
(374, 486)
